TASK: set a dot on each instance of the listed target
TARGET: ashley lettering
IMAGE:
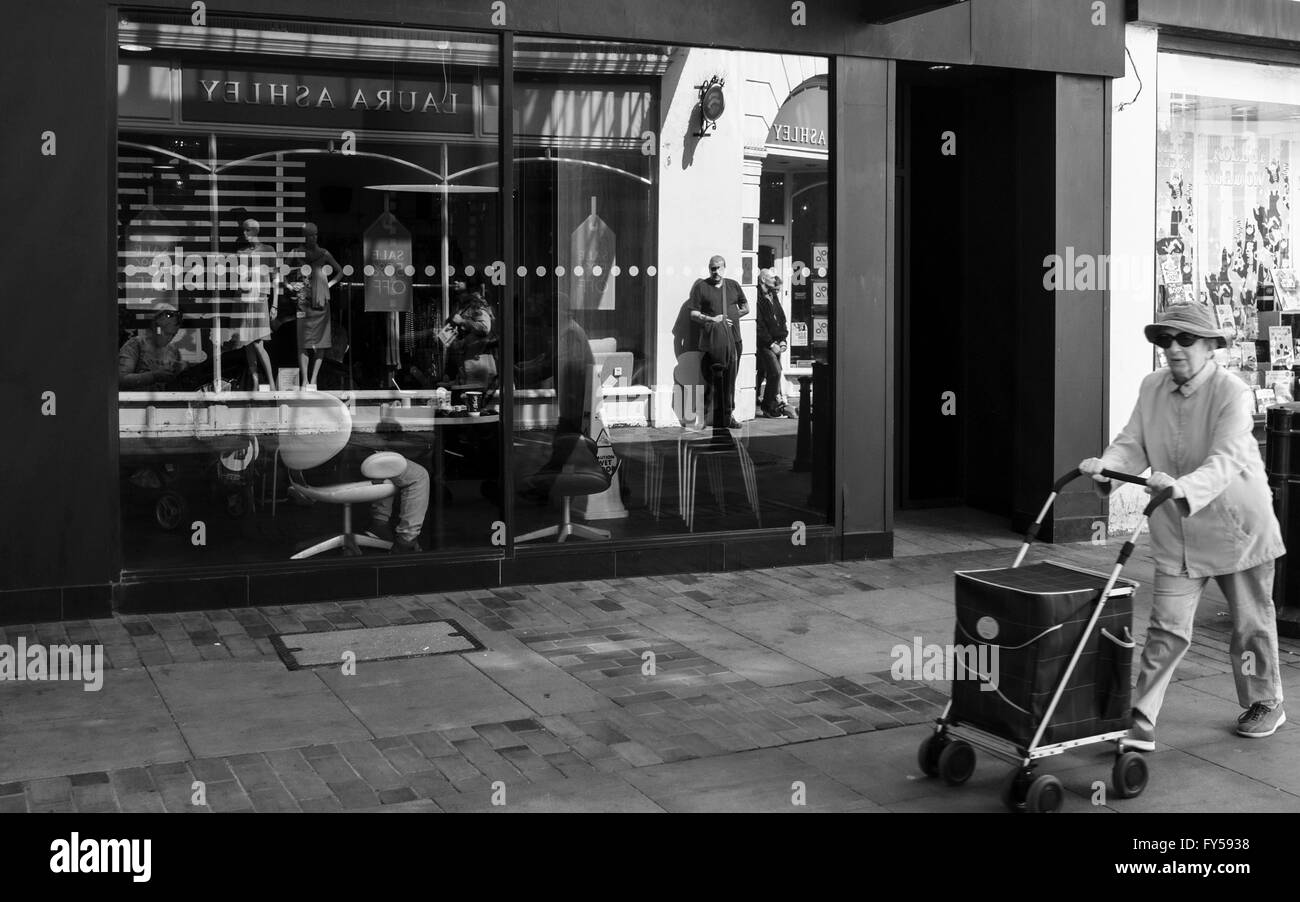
(799, 135)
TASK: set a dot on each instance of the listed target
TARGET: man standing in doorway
(716, 305)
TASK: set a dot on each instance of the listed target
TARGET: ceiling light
(939, 68)
(134, 48)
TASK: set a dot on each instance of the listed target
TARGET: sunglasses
(1184, 339)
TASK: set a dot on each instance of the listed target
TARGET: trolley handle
(1031, 533)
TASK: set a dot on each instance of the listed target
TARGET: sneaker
(1260, 720)
(788, 412)
(1140, 738)
(378, 529)
(406, 546)
(733, 424)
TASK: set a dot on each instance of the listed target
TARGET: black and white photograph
(595, 407)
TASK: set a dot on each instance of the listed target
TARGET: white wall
(699, 197)
(1132, 243)
(703, 205)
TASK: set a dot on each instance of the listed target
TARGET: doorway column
(1062, 345)
(862, 343)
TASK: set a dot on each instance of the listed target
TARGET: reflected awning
(879, 12)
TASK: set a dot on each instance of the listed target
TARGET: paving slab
(48, 727)
(751, 660)
(533, 679)
(1273, 762)
(600, 793)
(421, 694)
(1192, 717)
(824, 640)
(1185, 782)
(754, 781)
(888, 607)
(228, 708)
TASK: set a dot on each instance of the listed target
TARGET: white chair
(317, 429)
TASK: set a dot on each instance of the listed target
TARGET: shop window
(1228, 143)
(628, 186)
(310, 291)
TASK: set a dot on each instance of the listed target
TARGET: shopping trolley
(1044, 656)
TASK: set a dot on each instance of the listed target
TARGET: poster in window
(1280, 351)
(821, 256)
(1281, 383)
(821, 330)
(592, 255)
(798, 335)
(1223, 312)
(821, 292)
(387, 251)
(1248, 358)
(1286, 288)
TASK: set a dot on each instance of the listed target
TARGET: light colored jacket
(1201, 433)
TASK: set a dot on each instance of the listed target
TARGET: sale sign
(388, 266)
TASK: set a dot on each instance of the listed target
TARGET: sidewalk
(764, 680)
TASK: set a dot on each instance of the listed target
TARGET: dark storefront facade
(307, 196)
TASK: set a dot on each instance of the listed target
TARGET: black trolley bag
(1043, 662)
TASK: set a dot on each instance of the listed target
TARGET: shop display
(1281, 382)
(1280, 348)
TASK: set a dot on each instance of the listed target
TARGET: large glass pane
(1227, 145)
(672, 238)
(310, 292)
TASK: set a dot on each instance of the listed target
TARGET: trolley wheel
(1129, 775)
(1014, 788)
(928, 754)
(957, 762)
(169, 511)
(1045, 795)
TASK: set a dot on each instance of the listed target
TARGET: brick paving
(689, 707)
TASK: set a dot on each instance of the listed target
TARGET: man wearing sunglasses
(1193, 427)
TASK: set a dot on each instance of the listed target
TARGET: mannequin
(260, 297)
(313, 291)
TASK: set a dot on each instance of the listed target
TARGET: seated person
(152, 361)
(469, 355)
(413, 491)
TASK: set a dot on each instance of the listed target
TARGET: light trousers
(413, 487)
(1253, 647)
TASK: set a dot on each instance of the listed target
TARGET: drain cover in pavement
(381, 643)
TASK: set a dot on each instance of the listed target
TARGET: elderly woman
(1193, 427)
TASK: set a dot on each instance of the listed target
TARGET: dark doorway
(964, 206)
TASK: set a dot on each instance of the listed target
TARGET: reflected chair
(316, 430)
(581, 472)
(714, 452)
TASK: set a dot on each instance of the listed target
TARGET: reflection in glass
(623, 202)
(308, 321)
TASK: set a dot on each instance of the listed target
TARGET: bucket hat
(1195, 319)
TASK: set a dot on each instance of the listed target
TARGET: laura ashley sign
(285, 98)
